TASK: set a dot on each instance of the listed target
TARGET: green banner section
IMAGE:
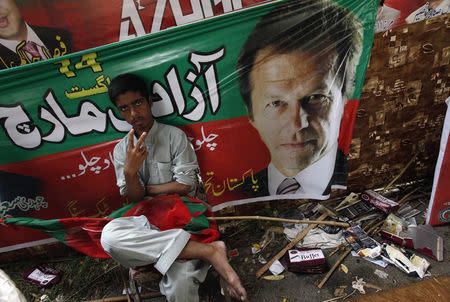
(62, 104)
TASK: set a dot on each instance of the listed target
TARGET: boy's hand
(136, 154)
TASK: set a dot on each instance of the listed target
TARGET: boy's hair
(124, 83)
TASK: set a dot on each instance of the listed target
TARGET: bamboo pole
(401, 173)
(335, 266)
(267, 218)
(124, 298)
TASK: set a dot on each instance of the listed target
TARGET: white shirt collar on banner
(31, 36)
(314, 179)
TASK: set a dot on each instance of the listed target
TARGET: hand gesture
(136, 154)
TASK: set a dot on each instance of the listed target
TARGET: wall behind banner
(402, 107)
(88, 23)
(58, 126)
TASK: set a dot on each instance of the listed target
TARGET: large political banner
(34, 30)
(267, 96)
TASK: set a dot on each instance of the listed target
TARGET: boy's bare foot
(219, 261)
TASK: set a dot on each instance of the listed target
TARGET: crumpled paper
(316, 238)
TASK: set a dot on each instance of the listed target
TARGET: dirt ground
(87, 279)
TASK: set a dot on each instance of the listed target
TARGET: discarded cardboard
(421, 238)
(410, 265)
(306, 260)
(379, 201)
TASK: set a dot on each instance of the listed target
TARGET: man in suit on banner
(297, 70)
(21, 43)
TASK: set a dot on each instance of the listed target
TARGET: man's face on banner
(296, 106)
(10, 19)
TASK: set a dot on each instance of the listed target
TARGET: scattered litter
(370, 216)
(233, 253)
(267, 238)
(42, 275)
(343, 268)
(273, 277)
(406, 211)
(354, 210)
(381, 274)
(256, 248)
(306, 260)
(413, 264)
(394, 225)
(340, 291)
(276, 268)
(358, 284)
(370, 252)
(330, 229)
(379, 261)
(316, 238)
(358, 239)
(422, 238)
(44, 298)
(379, 201)
(350, 199)
(284, 299)
(261, 259)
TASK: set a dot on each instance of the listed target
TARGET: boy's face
(136, 110)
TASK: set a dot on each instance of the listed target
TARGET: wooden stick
(335, 266)
(290, 245)
(401, 172)
(340, 246)
(407, 197)
(267, 218)
(372, 230)
(124, 298)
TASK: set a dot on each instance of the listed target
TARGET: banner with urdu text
(266, 95)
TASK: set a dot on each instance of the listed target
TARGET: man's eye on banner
(19, 195)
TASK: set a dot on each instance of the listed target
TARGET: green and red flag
(165, 212)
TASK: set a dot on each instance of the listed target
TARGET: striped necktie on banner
(288, 186)
(32, 49)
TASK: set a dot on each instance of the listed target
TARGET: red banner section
(439, 207)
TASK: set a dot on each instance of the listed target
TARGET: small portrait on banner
(23, 43)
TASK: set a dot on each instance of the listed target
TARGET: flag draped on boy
(165, 212)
